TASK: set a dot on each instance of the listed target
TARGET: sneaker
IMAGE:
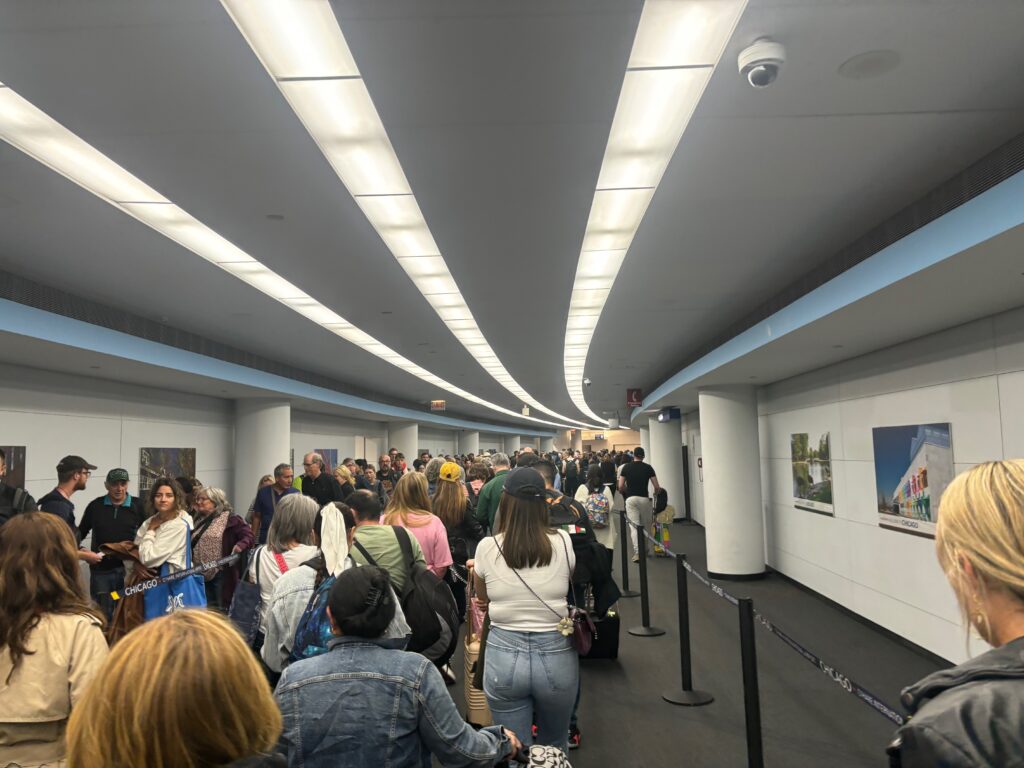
(574, 737)
(636, 558)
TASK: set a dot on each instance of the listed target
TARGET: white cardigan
(167, 544)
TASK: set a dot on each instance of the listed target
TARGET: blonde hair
(981, 520)
(344, 475)
(181, 691)
(410, 503)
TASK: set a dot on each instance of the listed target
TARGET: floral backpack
(598, 509)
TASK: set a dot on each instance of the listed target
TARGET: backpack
(428, 604)
(571, 471)
(660, 500)
(314, 629)
(598, 509)
(12, 502)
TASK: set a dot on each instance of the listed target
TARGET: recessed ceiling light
(678, 44)
(26, 127)
(304, 50)
(869, 65)
(386, 312)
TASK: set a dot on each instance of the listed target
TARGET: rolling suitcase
(478, 713)
(606, 637)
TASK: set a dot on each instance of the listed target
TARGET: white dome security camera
(760, 62)
(586, 381)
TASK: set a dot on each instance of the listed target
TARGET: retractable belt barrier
(136, 589)
(844, 682)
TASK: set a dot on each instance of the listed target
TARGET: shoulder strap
(362, 549)
(280, 562)
(19, 499)
(403, 541)
(201, 529)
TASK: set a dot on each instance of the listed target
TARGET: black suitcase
(606, 637)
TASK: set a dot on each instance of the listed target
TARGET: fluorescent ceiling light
(22, 125)
(307, 56)
(677, 45)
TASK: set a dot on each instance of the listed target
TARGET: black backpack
(428, 604)
(13, 501)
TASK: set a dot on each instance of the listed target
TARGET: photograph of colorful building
(913, 466)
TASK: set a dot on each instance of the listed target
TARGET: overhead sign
(634, 398)
(437, 405)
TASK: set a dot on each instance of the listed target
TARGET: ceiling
(499, 112)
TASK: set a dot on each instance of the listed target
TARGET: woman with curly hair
(51, 638)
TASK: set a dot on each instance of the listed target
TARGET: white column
(405, 436)
(732, 481)
(469, 442)
(665, 454)
(547, 444)
(263, 438)
(577, 440)
(513, 443)
(530, 441)
(645, 440)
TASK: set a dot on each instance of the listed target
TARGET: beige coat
(35, 706)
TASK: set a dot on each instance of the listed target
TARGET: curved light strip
(35, 133)
(303, 49)
(677, 45)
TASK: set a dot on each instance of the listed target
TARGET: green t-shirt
(382, 544)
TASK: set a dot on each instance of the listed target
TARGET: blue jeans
(532, 677)
(101, 584)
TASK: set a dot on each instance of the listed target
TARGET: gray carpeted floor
(807, 719)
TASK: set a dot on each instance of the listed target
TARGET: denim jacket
(365, 704)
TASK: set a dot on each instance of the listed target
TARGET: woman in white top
(289, 545)
(165, 536)
(607, 534)
(531, 671)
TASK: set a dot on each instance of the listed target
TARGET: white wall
(488, 442)
(107, 422)
(971, 376)
(439, 442)
(351, 437)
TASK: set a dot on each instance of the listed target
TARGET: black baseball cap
(525, 483)
(73, 464)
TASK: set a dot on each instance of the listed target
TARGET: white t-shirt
(513, 607)
(270, 572)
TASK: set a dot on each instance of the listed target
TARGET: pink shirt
(433, 539)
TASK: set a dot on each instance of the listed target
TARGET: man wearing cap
(111, 518)
(72, 475)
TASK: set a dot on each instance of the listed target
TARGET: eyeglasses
(85, 472)
(308, 464)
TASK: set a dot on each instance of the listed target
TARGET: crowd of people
(333, 607)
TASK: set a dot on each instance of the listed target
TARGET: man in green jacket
(490, 494)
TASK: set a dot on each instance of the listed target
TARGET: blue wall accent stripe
(47, 326)
(991, 213)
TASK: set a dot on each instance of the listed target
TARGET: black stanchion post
(751, 697)
(645, 629)
(685, 696)
(624, 548)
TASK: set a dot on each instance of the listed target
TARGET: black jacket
(970, 715)
(593, 559)
(324, 489)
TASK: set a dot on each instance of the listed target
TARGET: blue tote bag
(171, 596)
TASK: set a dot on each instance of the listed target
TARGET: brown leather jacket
(130, 611)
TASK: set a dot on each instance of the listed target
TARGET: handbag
(245, 606)
(577, 626)
(179, 594)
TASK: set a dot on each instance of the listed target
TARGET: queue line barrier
(748, 619)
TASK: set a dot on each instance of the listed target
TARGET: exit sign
(437, 405)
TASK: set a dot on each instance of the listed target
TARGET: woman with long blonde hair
(464, 532)
(51, 638)
(410, 508)
(182, 691)
(973, 714)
